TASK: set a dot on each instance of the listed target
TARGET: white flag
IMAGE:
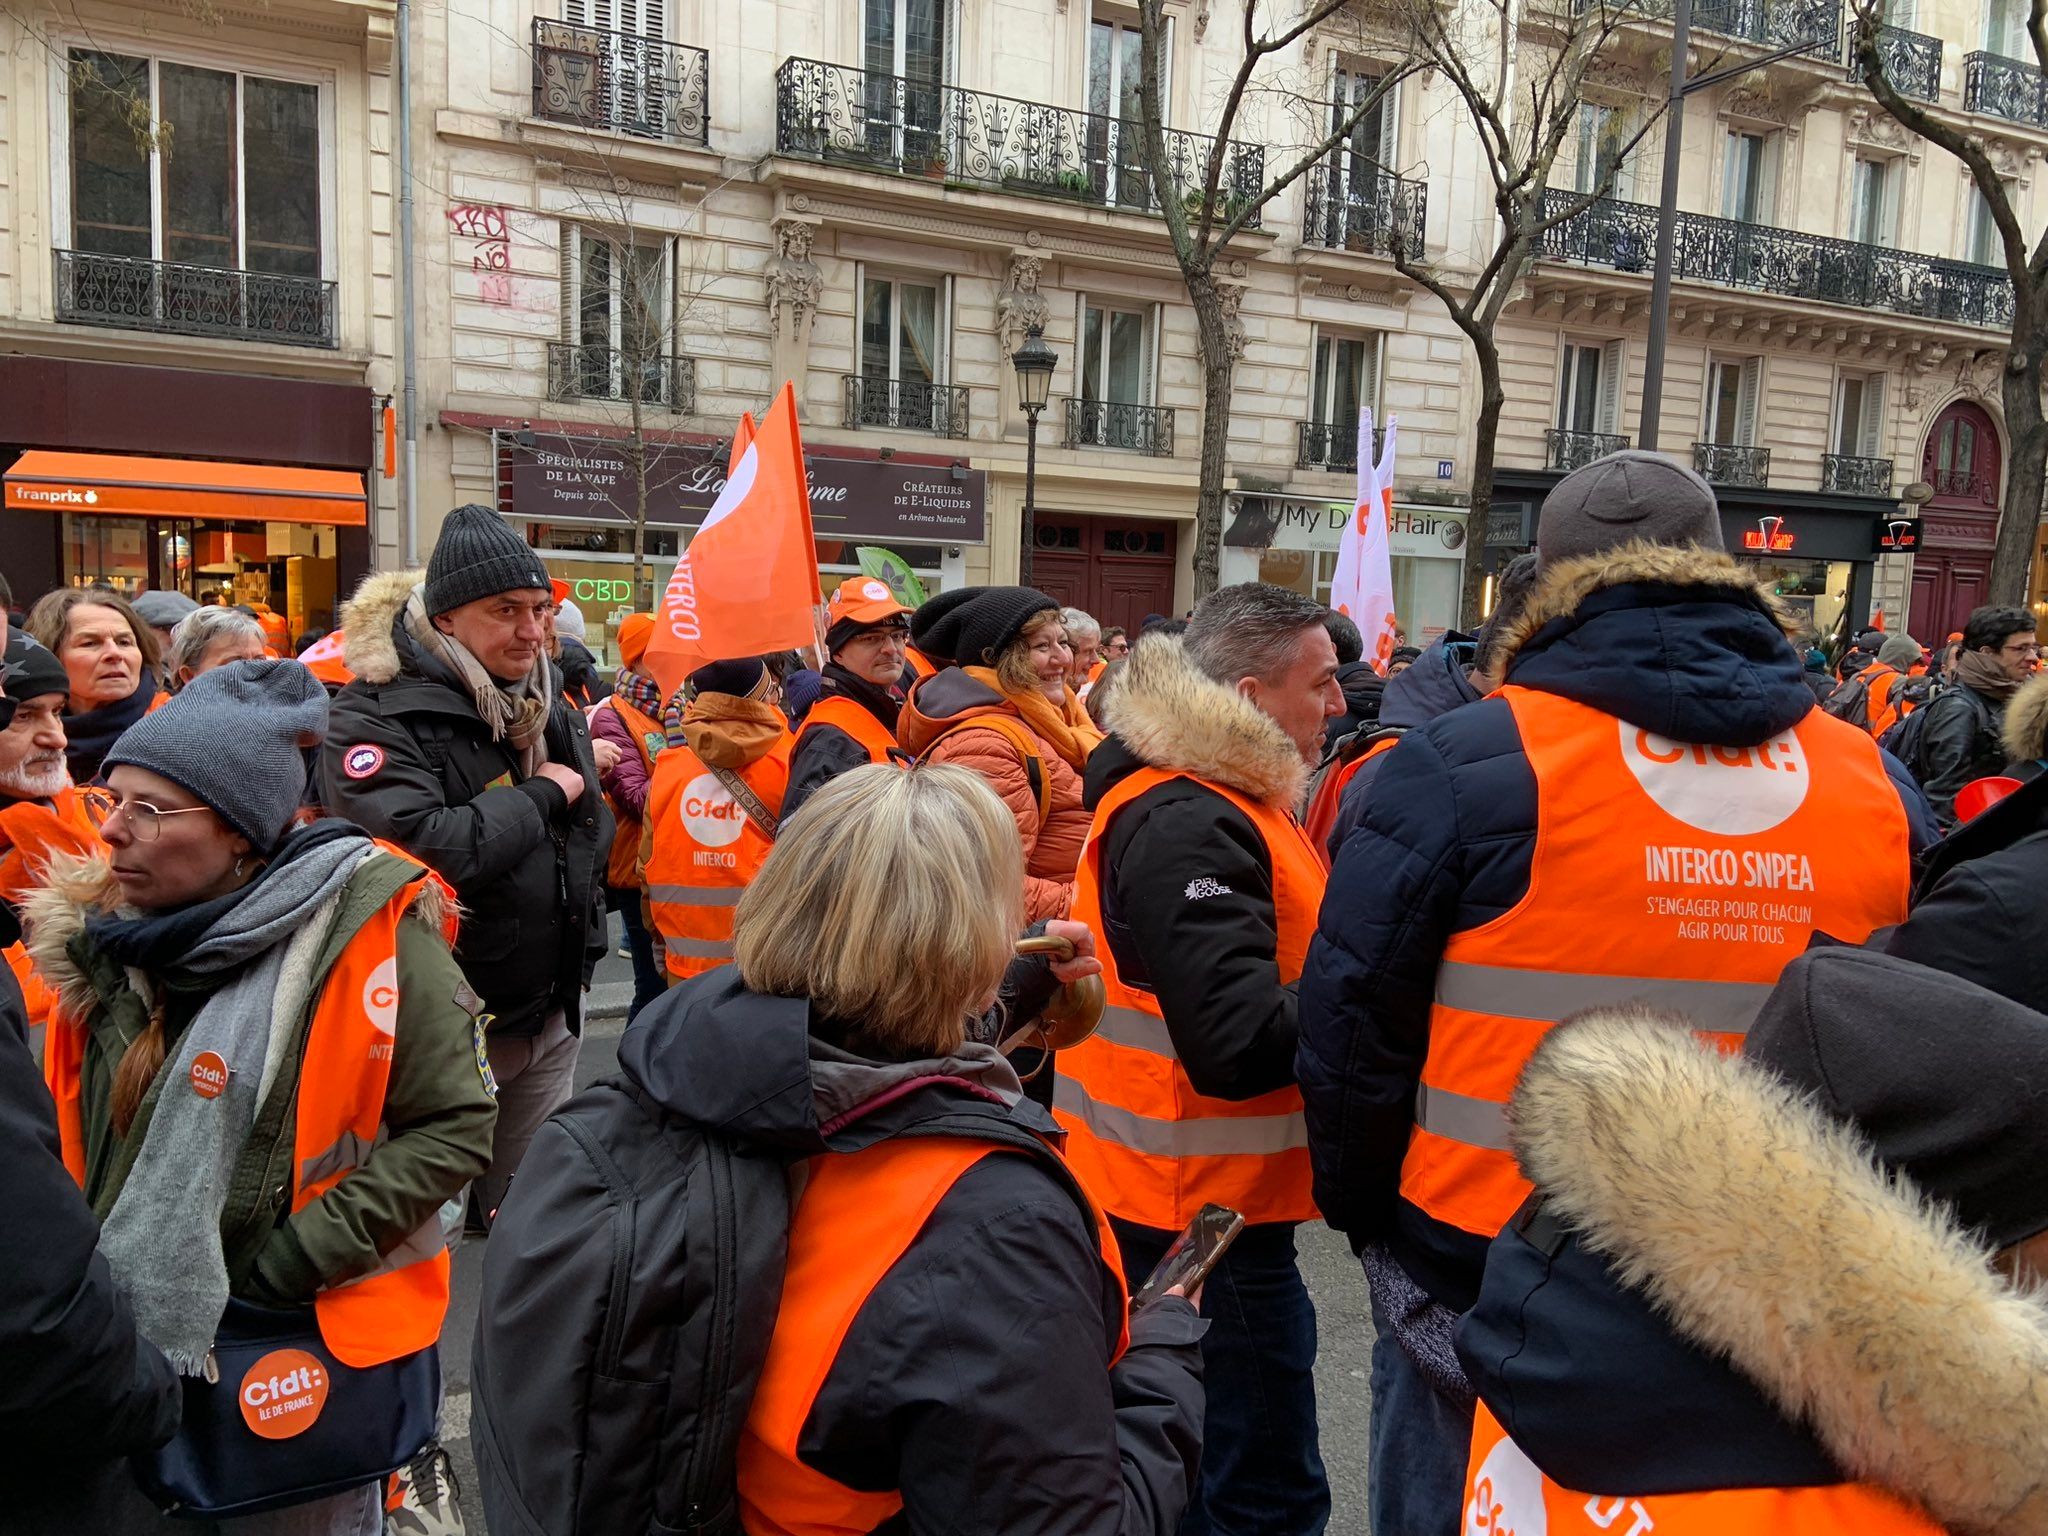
(1363, 588)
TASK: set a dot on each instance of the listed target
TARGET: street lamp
(1034, 362)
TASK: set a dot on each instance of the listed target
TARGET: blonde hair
(891, 901)
(1013, 667)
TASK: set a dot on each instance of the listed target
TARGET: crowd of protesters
(1658, 1008)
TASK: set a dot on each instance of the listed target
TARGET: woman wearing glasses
(266, 1077)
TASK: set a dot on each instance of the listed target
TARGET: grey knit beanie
(478, 555)
(236, 737)
(1626, 496)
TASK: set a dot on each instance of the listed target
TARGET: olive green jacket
(438, 1107)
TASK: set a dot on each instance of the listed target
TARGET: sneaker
(424, 1498)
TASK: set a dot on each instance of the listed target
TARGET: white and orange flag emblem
(1363, 587)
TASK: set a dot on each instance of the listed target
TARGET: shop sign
(1772, 540)
(1280, 522)
(1511, 525)
(868, 499)
(1896, 535)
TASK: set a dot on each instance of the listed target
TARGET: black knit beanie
(478, 555)
(928, 616)
(27, 669)
(738, 677)
(980, 626)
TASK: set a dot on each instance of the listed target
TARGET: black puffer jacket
(407, 758)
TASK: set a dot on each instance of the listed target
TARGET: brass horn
(1074, 1010)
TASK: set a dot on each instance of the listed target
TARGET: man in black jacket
(1363, 687)
(452, 744)
(82, 1389)
(1961, 738)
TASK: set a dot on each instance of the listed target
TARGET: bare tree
(1202, 221)
(2026, 478)
(1519, 77)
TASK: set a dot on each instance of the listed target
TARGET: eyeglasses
(145, 821)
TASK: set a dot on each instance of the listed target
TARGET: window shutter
(568, 282)
(1870, 431)
(1390, 129)
(1147, 388)
(1625, 171)
(1610, 387)
(1369, 386)
(1767, 179)
(1892, 177)
(1746, 401)
(576, 12)
(1731, 175)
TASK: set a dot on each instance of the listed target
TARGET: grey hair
(1249, 630)
(1079, 625)
(196, 633)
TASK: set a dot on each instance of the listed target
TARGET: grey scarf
(515, 712)
(162, 1238)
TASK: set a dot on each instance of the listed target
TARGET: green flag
(886, 566)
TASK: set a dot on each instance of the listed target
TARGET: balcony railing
(1732, 463)
(907, 405)
(1852, 476)
(578, 372)
(1364, 208)
(1911, 60)
(1783, 261)
(1332, 445)
(2002, 87)
(1567, 451)
(1774, 23)
(1115, 424)
(187, 300)
(918, 128)
(621, 83)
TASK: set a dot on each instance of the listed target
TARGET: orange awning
(114, 483)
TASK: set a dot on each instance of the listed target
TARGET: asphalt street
(1333, 1278)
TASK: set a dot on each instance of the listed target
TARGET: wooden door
(1117, 570)
(1945, 588)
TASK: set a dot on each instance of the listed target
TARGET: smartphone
(1193, 1254)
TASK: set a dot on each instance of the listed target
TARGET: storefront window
(1815, 590)
(106, 552)
(1425, 591)
(288, 568)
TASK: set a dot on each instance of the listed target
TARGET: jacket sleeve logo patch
(361, 762)
(1202, 888)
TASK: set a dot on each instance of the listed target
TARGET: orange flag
(748, 580)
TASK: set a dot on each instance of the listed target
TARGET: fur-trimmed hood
(1763, 1232)
(368, 649)
(1682, 641)
(1170, 714)
(2026, 721)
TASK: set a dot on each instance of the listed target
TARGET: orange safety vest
(1884, 707)
(876, 739)
(1329, 796)
(920, 663)
(32, 832)
(622, 872)
(706, 850)
(858, 1213)
(397, 1308)
(1144, 1143)
(1506, 1494)
(1677, 876)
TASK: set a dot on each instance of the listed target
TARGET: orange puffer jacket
(954, 699)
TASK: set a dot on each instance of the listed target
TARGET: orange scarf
(1065, 727)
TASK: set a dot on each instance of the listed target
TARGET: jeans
(1262, 1470)
(1420, 1443)
(649, 979)
(536, 1074)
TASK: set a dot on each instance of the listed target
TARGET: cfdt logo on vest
(1730, 791)
(710, 815)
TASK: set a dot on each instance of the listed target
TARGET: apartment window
(1115, 118)
(905, 40)
(1116, 355)
(231, 178)
(2005, 29)
(1370, 146)
(1749, 172)
(1732, 387)
(1986, 245)
(1589, 387)
(1874, 201)
(619, 314)
(1346, 378)
(1859, 416)
(635, 18)
(1602, 131)
(904, 328)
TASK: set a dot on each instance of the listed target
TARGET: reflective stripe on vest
(705, 851)
(1145, 1143)
(1506, 1494)
(1666, 875)
(836, 710)
(857, 1214)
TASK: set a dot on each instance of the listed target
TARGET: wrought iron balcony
(1732, 463)
(2002, 87)
(1855, 477)
(1911, 60)
(1567, 451)
(917, 128)
(1332, 445)
(182, 299)
(1774, 23)
(908, 405)
(1365, 208)
(1783, 261)
(621, 83)
(1116, 424)
(578, 372)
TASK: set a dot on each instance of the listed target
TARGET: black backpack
(1906, 739)
(1851, 701)
(630, 1288)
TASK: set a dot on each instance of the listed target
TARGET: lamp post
(1034, 362)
